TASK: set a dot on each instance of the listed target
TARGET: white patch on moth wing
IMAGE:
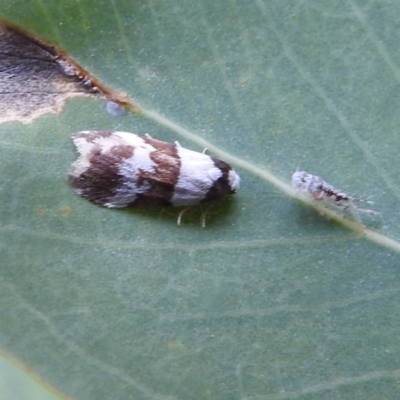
(197, 175)
(106, 143)
(122, 139)
(81, 144)
(140, 160)
(83, 162)
(127, 194)
(85, 149)
(79, 166)
(214, 173)
(234, 180)
(132, 139)
(130, 169)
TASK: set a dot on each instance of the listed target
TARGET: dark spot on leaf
(40, 211)
(36, 77)
(66, 211)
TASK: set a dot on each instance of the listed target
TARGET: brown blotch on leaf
(40, 211)
(66, 211)
(36, 78)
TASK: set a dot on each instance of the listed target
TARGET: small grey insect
(317, 189)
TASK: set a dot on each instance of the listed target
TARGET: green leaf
(16, 385)
(272, 300)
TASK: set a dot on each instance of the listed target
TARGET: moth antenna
(367, 200)
(366, 211)
(204, 213)
(147, 135)
(204, 151)
(177, 144)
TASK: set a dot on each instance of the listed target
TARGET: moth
(122, 169)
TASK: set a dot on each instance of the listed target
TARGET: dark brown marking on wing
(99, 183)
(163, 180)
(220, 187)
(336, 196)
(91, 136)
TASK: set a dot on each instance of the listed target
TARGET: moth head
(233, 180)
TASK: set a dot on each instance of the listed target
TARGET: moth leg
(177, 144)
(203, 219)
(353, 210)
(366, 211)
(317, 199)
(180, 215)
(206, 212)
(148, 136)
(204, 151)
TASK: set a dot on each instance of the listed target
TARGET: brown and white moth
(121, 169)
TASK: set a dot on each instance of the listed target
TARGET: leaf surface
(272, 300)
